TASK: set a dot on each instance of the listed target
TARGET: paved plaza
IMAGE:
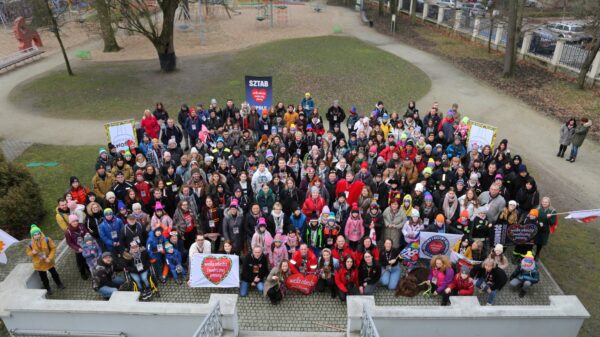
(316, 312)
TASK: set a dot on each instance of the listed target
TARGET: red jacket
(464, 287)
(340, 278)
(345, 252)
(311, 206)
(412, 154)
(387, 153)
(358, 255)
(150, 125)
(79, 194)
(353, 190)
(143, 190)
(310, 264)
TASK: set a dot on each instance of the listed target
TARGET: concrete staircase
(287, 334)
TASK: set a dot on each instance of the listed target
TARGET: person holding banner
(254, 271)
(548, 221)
(489, 279)
(346, 279)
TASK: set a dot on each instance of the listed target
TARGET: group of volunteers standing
(292, 193)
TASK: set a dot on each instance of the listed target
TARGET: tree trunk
(511, 43)
(380, 7)
(106, 28)
(165, 46)
(60, 43)
(393, 5)
(587, 64)
(490, 35)
(413, 11)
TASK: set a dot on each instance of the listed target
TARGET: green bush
(20, 199)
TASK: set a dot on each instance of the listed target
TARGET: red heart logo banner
(303, 283)
(216, 269)
(259, 95)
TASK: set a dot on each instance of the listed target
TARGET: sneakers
(146, 294)
(49, 292)
(60, 286)
(521, 293)
(163, 280)
(179, 281)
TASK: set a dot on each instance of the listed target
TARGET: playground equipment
(26, 37)
(271, 12)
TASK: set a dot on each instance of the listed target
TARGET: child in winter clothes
(462, 285)
(313, 236)
(292, 243)
(262, 237)
(331, 230)
(173, 258)
(278, 251)
(525, 275)
(354, 229)
(91, 250)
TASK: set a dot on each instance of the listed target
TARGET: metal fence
(10, 10)
(542, 45)
(211, 325)
(367, 325)
(467, 21)
(449, 15)
(573, 56)
(432, 13)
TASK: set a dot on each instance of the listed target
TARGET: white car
(446, 3)
(571, 31)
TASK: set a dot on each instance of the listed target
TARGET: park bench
(21, 56)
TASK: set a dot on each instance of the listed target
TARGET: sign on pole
(481, 135)
(121, 132)
(259, 92)
(214, 271)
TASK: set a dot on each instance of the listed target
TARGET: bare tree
(56, 30)
(106, 28)
(511, 41)
(589, 10)
(137, 16)
(413, 11)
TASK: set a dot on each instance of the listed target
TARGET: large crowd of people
(343, 195)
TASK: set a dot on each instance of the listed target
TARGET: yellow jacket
(101, 186)
(386, 128)
(468, 254)
(45, 248)
(62, 219)
(290, 118)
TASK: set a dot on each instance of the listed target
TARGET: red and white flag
(584, 216)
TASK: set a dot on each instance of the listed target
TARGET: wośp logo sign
(259, 92)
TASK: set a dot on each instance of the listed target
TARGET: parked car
(543, 42)
(446, 3)
(474, 9)
(571, 31)
(533, 3)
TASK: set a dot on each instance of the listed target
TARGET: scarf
(449, 210)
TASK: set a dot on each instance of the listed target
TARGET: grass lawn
(54, 181)
(330, 67)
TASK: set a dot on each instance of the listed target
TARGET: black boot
(521, 293)
(49, 291)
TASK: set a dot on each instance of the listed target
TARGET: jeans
(481, 284)
(107, 291)
(574, 150)
(244, 288)
(516, 283)
(390, 278)
(140, 278)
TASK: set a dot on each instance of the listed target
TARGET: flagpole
(586, 210)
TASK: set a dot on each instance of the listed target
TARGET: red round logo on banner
(216, 269)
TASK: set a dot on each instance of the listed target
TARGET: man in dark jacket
(133, 232)
(182, 118)
(121, 186)
(335, 114)
(489, 278)
(254, 271)
(172, 131)
(105, 281)
(250, 222)
(380, 191)
(137, 264)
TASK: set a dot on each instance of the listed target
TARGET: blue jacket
(106, 230)
(152, 245)
(193, 126)
(144, 147)
(299, 223)
(531, 276)
(173, 259)
(264, 126)
(309, 107)
(456, 151)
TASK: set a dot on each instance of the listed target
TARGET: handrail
(367, 325)
(211, 326)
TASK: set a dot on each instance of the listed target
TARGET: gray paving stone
(13, 149)
(317, 312)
